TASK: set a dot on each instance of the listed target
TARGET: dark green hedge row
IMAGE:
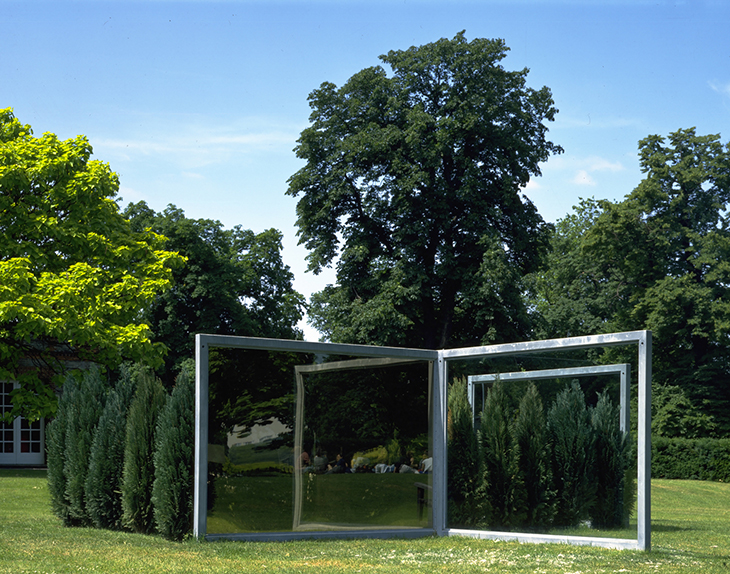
(120, 455)
(699, 459)
(527, 468)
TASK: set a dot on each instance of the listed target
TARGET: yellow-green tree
(74, 277)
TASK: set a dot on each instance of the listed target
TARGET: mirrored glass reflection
(300, 442)
(541, 442)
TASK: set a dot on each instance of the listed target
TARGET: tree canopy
(235, 283)
(73, 275)
(412, 188)
(658, 260)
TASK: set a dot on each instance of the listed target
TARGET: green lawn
(691, 523)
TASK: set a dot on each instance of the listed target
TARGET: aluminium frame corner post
(643, 498)
(439, 414)
(200, 479)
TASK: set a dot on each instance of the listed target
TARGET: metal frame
(621, 369)
(439, 417)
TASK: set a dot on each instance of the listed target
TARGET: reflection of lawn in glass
(252, 504)
(265, 504)
(366, 500)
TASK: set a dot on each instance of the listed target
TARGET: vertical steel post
(644, 445)
(200, 494)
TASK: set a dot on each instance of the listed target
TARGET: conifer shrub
(85, 409)
(172, 492)
(139, 472)
(467, 506)
(612, 451)
(106, 460)
(496, 443)
(56, 451)
(534, 505)
(571, 436)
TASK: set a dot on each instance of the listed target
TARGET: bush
(701, 459)
(571, 435)
(84, 412)
(612, 450)
(106, 462)
(139, 471)
(172, 493)
(56, 449)
(466, 503)
(500, 479)
(532, 461)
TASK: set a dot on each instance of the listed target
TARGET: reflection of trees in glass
(250, 387)
(351, 410)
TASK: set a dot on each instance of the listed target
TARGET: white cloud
(193, 143)
(583, 178)
(723, 89)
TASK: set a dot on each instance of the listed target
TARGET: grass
(691, 524)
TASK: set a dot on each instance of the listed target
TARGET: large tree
(73, 275)
(234, 283)
(412, 187)
(658, 260)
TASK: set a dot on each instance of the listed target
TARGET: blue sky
(200, 103)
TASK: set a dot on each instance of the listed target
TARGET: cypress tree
(172, 492)
(56, 449)
(467, 505)
(611, 463)
(497, 452)
(571, 436)
(83, 418)
(534, 501)
(106, 463)
(139, 471)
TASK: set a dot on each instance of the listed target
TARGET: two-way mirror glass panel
(304, 442)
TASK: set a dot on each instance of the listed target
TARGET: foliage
(698, 459)
(139, 471)
(659, 260)
(172, 491)
(235, 283)
(612, 452)
(412, 183)
(73, 275)
(83, 417)
(496, 441)
(56, 450)
(532, 462)
(467, 505)
(106, 459)
(571, 436)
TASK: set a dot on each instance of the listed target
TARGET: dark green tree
(612, 461)
(497, 454)
(234, 283)
(172, 491)
(85, 410)
(658, 260)
(534, 501)
(412, 186)
(571, 436)
(139, 469)
(106, 459)
(56, 450)
(467, 504)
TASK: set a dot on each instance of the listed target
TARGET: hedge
(685, 458)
